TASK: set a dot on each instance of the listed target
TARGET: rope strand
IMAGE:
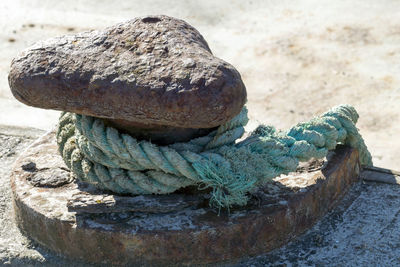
(117, 162)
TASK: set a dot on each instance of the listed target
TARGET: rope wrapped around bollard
(117, 162)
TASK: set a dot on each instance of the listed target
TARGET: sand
(297, 59)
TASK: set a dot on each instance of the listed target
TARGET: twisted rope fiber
(117, 162)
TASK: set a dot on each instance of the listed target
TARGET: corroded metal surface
(147, 72)
(98, 202)
(193, 235)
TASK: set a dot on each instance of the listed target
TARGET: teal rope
(119, 163)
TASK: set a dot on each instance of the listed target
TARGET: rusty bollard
(156, 79)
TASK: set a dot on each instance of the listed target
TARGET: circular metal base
(45, 202)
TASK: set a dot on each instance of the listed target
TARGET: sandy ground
(297, 60)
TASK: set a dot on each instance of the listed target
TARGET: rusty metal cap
(154, 70)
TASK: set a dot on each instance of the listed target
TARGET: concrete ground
(297, 59)
(363, 230)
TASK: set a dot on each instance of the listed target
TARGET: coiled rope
(117, 162)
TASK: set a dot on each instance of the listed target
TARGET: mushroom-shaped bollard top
(150, 71)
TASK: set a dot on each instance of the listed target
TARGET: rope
(117, 162)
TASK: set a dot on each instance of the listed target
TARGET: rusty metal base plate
(188, 233)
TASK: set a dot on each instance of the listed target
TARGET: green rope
(117, 162)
